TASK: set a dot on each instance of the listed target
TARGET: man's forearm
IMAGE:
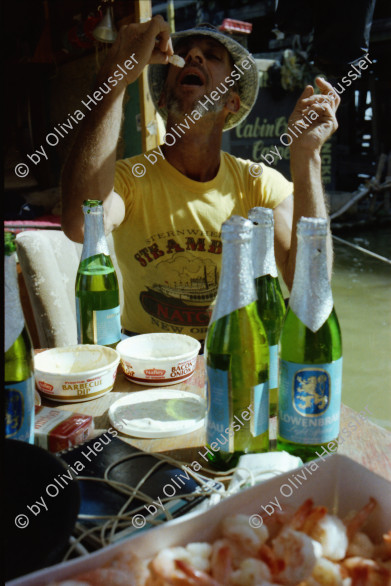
(89, 170)
(309, 200)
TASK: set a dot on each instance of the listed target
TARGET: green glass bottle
(236, 357)
(19, 384)
(97, 292)
(271, 305)
(310, 352)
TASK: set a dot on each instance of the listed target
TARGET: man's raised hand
(147, 42)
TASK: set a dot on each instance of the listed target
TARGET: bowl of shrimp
(333, 528)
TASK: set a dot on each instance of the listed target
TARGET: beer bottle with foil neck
(237, 357)
(97, 291)
(271, 305)
(19, 384)
(309, 400)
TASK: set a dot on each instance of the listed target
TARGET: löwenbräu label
(309, 401)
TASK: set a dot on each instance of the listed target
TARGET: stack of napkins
(255, 468)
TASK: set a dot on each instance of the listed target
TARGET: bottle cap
(259, 215)
(92, 203)
(237, 227)
(158, 413)
(312, 227)
(9, 243)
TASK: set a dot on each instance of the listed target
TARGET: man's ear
(233, 103)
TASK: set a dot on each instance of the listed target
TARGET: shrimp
(327, 573)
(331, 533)
(298, 552)
(383, 551)
(179, 565)
(221, 561)
(358, 520)
(307, 517)
(361, 546)
(367, 572)
(251, 573)
(326, 529)
(248, 539)
(196, 576)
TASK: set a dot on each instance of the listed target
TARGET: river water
(362, 298)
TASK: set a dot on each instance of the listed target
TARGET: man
(166, 209)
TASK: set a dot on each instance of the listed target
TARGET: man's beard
(175, 105)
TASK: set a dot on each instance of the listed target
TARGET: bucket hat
(247, 84)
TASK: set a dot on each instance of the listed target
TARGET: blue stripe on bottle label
(19, 411)
(309, 401)
(260, 423)
(78, 325)
(273, 366)
(108, 325)
(218, 416)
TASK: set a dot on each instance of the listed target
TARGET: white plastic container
(76, 373)
(158, 359)
(339, 483)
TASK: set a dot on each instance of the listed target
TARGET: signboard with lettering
(264, 135)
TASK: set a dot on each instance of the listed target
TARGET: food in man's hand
(176, 60)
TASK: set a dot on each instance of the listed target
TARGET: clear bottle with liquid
(236, 357)
(97, 291)
(19, 383)
(271, 305)
(310, 352)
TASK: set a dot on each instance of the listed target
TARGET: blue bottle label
(107, 326)
(309, 401)
(19, 411)
(273, 366)
(78, 324)
(220, 416)
(260, 401)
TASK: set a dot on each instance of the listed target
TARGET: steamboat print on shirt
(181, 291)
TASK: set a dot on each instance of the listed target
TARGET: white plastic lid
(158, 413)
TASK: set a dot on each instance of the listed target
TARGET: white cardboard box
(339, 483)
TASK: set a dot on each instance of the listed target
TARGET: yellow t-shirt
(168, 246)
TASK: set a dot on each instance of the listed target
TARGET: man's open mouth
(192, 77)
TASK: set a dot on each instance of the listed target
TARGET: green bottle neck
(94, 235)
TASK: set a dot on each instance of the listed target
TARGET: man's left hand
(319, 128)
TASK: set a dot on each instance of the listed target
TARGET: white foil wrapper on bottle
(236, 234)
(314, 307)
(263, 242)
(13, 312)
(95, 241)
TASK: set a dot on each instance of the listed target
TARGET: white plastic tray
(339, 483)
